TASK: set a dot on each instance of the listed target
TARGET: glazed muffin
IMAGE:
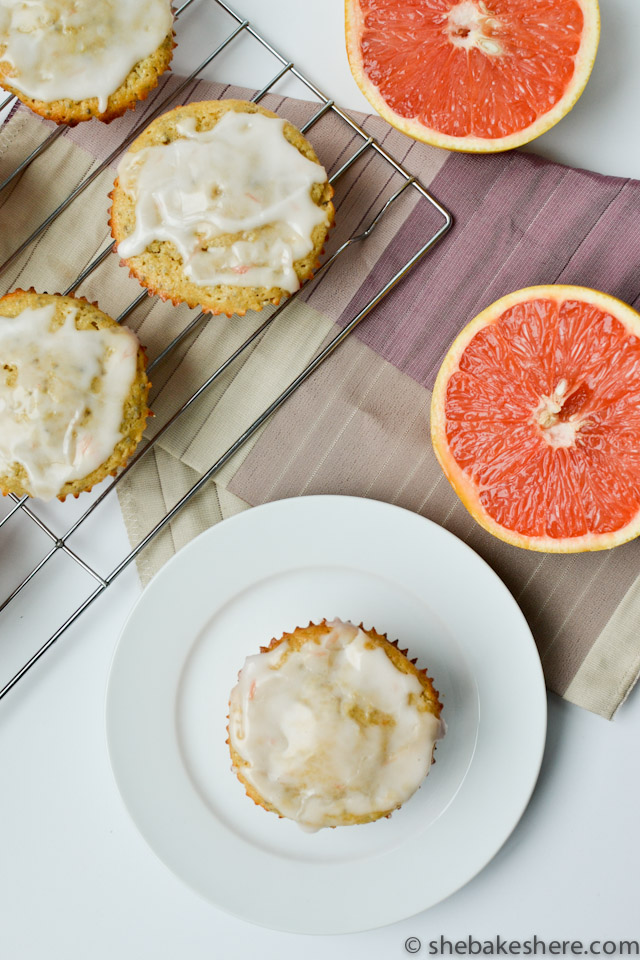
(70, 62)
(332, 725)
(73, 395)
(221, 205)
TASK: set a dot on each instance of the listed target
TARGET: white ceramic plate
(267, 571)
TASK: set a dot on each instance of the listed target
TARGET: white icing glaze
(240, 177)
(292, 718)
(78, 49)
(62, 418)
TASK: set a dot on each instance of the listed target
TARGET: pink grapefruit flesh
(472, 75)
(535, 419)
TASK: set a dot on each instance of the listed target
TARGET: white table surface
(76, 879)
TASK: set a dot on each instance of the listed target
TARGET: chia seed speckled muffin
(73, 395)
(221, 205)
(71, 62)
(332, 725)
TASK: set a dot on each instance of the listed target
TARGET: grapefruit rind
(469, 144)
(460, 481)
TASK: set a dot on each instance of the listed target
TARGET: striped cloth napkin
(360, 425)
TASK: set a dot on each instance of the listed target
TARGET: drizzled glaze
(242, 181)
(331, 731)
(62, 392)
(78, 49)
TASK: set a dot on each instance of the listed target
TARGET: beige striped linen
(366, 434)
(360, 426)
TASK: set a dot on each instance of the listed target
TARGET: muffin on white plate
(332, 725)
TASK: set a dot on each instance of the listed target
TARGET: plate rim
(535, 760)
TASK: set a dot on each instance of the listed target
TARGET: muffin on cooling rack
(221, 205)
(73, 395)
(91, 58)
(332, 725)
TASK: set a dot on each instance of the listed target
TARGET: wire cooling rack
(70, 543)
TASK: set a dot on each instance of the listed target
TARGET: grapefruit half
(535, 419)
(472, 75)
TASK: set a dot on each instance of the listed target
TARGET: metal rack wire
(59, 544)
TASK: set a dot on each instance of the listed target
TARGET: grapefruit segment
(535, 419)
(474, 75)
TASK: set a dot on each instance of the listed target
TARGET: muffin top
(66, 372)
(332, 725)
(237, 192)
(52, 50)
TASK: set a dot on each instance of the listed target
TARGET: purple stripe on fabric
(609, 255)
(361, 170)
(519, 221)
(12, 112)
